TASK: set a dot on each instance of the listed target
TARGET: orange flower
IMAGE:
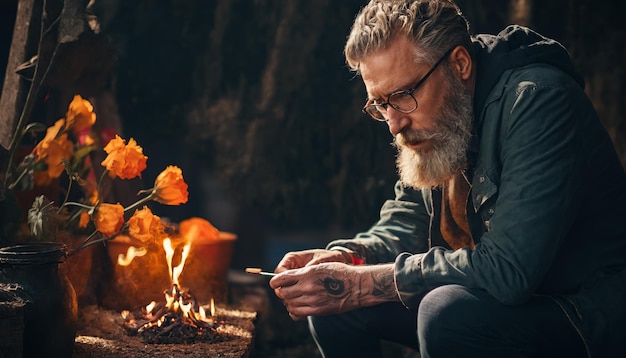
(124, 160)
(51, 133)
(109, 218)
(56, 150)
(80, 114)
(145, 226)
(84, 219)
(197, 228)
(170, 187)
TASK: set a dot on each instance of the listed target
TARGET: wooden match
(258, 271)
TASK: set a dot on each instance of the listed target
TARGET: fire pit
(102, 335)
(180, 319)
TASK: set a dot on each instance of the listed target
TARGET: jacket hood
(515, 46)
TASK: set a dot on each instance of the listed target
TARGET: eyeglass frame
(404, 92)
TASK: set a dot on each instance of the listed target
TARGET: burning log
(179, 320)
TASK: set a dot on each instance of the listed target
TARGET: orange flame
(169, 255)
(175, 298)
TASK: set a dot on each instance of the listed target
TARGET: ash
(173, 328)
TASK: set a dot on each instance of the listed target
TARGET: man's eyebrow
(400, 89)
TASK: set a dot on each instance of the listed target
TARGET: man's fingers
(284, 279)
(296, 318)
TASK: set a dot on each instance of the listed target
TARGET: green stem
(67, 194)
(85, 243)
(99, 187)
(80, 205)
(19, 178)
(89, 243)
(75, 216)
(141, 201)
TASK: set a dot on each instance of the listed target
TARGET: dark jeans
(452, 321)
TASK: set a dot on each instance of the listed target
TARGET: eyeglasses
(402, 101)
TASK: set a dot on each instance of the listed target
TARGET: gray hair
(435, 26)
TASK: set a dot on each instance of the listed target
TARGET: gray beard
(449, 141)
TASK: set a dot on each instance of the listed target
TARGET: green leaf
(83, 151)
(23, 175)
(35, 127)
(38, 216)
(45, 220)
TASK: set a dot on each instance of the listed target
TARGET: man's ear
(461, 62)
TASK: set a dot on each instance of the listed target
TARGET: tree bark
(24, 44)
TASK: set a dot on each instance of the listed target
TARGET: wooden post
(23, 46)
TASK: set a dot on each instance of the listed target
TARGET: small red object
(356, 260)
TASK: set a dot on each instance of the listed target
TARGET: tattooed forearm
(334, 286)
(382, 285)
(349, 287)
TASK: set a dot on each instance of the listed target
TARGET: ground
(101, 335)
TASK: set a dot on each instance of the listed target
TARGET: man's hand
(299, 259)
(331, 288)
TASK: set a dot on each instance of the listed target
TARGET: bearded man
(506, 237)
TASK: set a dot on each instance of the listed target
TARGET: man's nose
(397, 120)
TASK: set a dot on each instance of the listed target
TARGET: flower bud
(109, 218)
(145, 226)
(126, 161)
(170, 187)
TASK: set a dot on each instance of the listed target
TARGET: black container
(51, 309)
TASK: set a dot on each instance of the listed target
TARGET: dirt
(101, 335)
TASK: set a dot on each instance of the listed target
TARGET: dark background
(252, 99)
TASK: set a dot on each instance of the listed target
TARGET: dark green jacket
(547, 206)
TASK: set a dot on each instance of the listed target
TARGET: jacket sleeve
(403, 226)
(537, 180)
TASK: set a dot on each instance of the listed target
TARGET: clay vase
(50, 313)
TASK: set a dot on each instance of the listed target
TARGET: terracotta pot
(206, 270)
(205, 273)
(136, 285)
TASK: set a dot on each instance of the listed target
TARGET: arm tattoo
(333, 286)
(383, 286)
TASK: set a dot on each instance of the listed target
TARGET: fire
(180, 311)
(169, 255)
